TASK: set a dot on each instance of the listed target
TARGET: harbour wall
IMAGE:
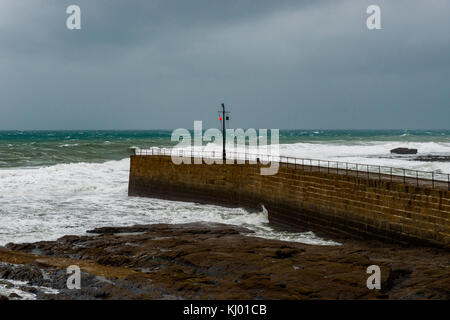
(304, 199)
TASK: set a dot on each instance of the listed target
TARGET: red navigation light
(220, 118)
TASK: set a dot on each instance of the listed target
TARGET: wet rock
(195, 228)
(114, 260)
(15, 296)
(3, 298)
(215, 261)
(432, 158)
(41, 263)
(404, 151)
(28, 289)
(395, 278)
(6, 284)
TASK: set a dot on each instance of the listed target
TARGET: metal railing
(369, 171)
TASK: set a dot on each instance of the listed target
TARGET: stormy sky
(156, 64)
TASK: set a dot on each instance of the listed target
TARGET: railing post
(357, 171)
(379, 173)
(432, 178)
(368, 175)
(417, 178)
(404, 176)
(328, 166)
(346, 168)
(391, 173)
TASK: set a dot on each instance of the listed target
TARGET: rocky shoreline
(215, 261)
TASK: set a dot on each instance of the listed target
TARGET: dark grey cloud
(277, 64)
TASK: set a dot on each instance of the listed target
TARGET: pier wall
(299, 199)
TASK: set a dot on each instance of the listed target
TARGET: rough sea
(55, 183)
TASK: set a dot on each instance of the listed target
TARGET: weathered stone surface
(214, 261)
(364, 205)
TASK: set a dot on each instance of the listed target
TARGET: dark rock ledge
(214, 261)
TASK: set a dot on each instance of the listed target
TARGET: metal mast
(224, 115)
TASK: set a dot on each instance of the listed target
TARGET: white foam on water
(68, 145)
(372, 153)
(8, 286)
(49, 202)
(367, 153)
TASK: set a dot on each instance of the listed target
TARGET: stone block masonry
(301, 199)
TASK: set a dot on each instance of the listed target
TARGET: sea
(56, 183)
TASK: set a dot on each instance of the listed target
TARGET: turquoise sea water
(54, 183)
(44, 148)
